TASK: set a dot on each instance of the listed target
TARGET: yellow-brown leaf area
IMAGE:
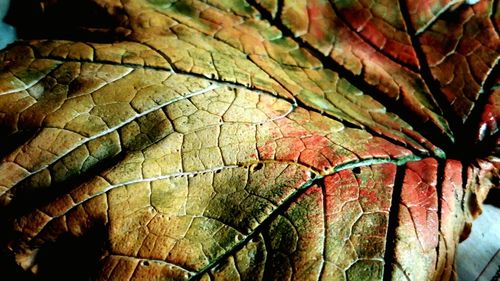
(198, 165)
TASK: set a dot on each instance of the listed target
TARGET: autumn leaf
(252, 140)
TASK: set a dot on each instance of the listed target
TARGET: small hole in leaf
(257, 167)
(356, 170)
(238, 237)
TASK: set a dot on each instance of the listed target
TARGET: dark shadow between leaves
(493, 197)
(10, 142)
(72, 258)
(69, 258)
(9, 270)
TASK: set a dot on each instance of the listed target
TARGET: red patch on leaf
(268, 150)
(315, 15)
(289, 149)
(343, 186)
(420, 197)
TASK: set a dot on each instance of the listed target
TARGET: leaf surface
(252, 140)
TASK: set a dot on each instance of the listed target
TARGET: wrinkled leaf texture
(246, 140)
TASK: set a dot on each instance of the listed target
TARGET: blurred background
(7, 32)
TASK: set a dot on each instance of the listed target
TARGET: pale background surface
(478, 250)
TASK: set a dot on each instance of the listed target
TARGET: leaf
(253, 140)
(469, 51)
